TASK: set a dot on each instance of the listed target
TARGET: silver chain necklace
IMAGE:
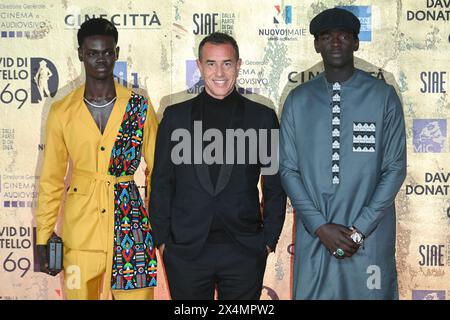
(99, 106)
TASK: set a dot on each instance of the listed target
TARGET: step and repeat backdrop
(406, 43)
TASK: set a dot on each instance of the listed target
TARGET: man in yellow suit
(102, 129)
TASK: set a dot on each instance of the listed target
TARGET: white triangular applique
(335, 180)
(336, 109)
(336, 97)
(336, 133)
(371, 139)
(335, 168)
(372, 127)
(335, 156)
(336, 145)
(336, 121)
(336, 86)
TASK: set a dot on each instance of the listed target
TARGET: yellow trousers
(84, 273)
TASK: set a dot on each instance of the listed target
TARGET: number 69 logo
(22, 264)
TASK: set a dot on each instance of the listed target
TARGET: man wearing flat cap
(342, 162)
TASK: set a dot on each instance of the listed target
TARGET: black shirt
(217, 115)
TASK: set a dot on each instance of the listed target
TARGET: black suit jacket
(183, 199)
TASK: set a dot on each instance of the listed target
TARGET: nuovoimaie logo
(364, 14)
(429, 135)
(44, 79)
(194, 80)
(284, 13)
(428, 295)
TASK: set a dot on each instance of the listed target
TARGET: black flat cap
(334, 18)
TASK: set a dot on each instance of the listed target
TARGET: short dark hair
(97, 26)
(218, 38)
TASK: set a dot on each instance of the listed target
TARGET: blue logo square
(364, 14)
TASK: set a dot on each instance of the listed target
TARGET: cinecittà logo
(137, 20)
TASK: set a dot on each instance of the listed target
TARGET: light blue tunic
(372, 167)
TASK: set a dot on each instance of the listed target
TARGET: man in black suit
(208, 222)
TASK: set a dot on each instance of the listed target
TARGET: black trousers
(235, 273)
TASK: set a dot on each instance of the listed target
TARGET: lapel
(115, 119)
(82, 112)
(112, 126)
(202, 170)
(237, 121)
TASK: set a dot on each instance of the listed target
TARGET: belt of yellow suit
(106, 184)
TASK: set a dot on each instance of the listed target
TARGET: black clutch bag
(55, 254)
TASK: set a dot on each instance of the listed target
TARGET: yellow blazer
(72, 135)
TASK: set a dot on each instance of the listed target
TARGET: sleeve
(273, 195)
(393, 167)
(51, 182)
(291, 177)
(162, 183)
(150, 129)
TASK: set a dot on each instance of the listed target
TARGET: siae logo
(205, 23)
(432, 255)
(433, 81)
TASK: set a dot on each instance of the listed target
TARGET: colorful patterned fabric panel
(134, 257)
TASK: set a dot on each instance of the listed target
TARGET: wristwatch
(356, 236)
